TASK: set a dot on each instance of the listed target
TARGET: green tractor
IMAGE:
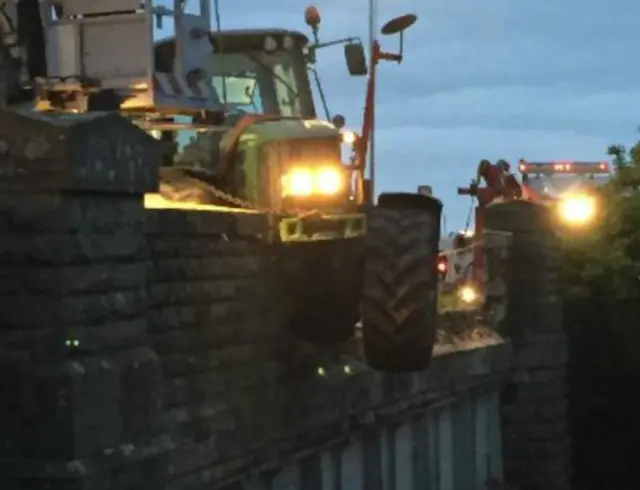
(235, 112)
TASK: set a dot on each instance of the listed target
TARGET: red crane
(395, 26)
(362, 141)
(500, 184)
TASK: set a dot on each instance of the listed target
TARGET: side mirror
(356, 59)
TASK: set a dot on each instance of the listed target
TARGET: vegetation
(606, 259)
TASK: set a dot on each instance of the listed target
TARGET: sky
(540, 80)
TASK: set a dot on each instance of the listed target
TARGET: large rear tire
(324, 281)
(400, 283)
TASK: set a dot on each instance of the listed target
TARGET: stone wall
(81, 384)
(536, 436)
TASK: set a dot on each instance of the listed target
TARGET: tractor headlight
(308, 181)
(298, 182)
(329, 180)
(468, 294)
(577, 209)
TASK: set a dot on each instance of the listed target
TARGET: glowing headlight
(329, 181)
(298, 182)
(304, 181)
(468, 294)
(577, 209)
(349, 137)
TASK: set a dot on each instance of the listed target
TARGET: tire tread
(399, 292)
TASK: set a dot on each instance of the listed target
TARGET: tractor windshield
(258, 82)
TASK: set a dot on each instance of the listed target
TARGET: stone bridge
(144, 350)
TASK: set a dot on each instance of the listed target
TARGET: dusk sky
(481, 79)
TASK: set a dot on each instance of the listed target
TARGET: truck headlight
(307, 181)
(577, 209)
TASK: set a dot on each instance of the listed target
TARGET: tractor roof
(260, 33)
(234, 40)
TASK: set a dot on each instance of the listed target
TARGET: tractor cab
(252, 71)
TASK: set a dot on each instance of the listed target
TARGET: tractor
(234, 114)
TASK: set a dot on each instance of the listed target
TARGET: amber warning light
(312, 16)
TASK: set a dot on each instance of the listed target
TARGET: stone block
(542, 354)
(101, 152)
(538, 393)
(72, 408)
(186, 246)
(221, 267)
(141, 392)
(536, 431)
(64, 411)
(228, 225)
(48, 343)
(33, 310)
(543, 314)
(73, 278)
(44, 213)
(521, 413)
(187, 223)
(67, 248)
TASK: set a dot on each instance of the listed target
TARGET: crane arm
(368, 111)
